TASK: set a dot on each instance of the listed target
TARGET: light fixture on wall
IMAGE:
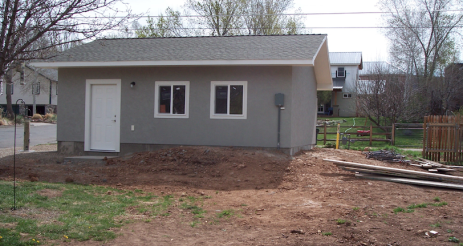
(132, 84)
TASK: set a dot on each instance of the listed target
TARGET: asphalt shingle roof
(284, 47)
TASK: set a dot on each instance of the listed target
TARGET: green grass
(81, 212)
(440, 204)
(356, 208)
(422, 205)
(454, 240)
(340, 221)
(402, 210)
(226, 213)
(327, 233)
(411, 208)
(436, 225)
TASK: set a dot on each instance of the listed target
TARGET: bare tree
(267, 17)
(168, 25)
(421, 33)
(223, 17)
(33, 29)
(381, 94)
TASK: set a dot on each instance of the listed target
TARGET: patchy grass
(226, 213)
(79, 212)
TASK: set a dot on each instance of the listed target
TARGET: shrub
(50, 118)
(37, 117)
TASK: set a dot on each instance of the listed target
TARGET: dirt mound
(201, 167)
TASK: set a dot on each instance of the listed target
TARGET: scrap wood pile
(384, 155)
(401, 175)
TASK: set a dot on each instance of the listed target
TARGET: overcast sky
(370, 41)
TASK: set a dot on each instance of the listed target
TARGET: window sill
(171, 116)
(228, 117)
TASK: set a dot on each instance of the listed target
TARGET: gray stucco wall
(137, 106)
(303, 107)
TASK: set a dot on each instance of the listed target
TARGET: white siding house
(345, 68)
(28, 81)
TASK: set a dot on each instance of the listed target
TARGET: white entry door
(104, 109)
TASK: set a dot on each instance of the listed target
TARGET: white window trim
(157, 84)
(1, 87)
(337, 72)
(243, 116)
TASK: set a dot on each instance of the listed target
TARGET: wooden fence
(443, 138)
(389, 136)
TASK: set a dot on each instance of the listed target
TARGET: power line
(248, 15)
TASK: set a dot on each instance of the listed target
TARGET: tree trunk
(9, 104)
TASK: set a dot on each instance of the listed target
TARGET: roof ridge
(232, 36)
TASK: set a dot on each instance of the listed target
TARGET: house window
(340, 73)
(1, 87)
(171, 99)
(346, 95)
(36, 88)
(229, 99)
(321, 108)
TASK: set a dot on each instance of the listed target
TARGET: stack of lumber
(384, 155)
(401, 175)
(432, 166)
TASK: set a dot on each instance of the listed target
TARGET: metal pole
(279, 116)
(14, 158)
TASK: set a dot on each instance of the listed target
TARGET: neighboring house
(454, 79)
(345, 68)
(128, 95)
(28, 80)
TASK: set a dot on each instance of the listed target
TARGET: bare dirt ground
(278, 200)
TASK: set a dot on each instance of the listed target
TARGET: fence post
(371, 135)
(393, 134)
(423, 154)
(324, 134)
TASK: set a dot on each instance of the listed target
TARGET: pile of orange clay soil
(272, 198)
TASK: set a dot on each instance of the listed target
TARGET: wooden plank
(432, 162)
(397, 170)
(369, 171)
(411, 181)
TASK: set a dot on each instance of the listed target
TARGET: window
(229, 99)
(36, 88)
(346, 95)
(1, 87)
(321, 108)
(340, 73)
(171, 99)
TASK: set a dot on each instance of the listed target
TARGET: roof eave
(322, 68)
(173, 63)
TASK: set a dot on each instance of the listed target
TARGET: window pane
(164, 99)
(236, 99)
(179, 99)
(221, 94)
